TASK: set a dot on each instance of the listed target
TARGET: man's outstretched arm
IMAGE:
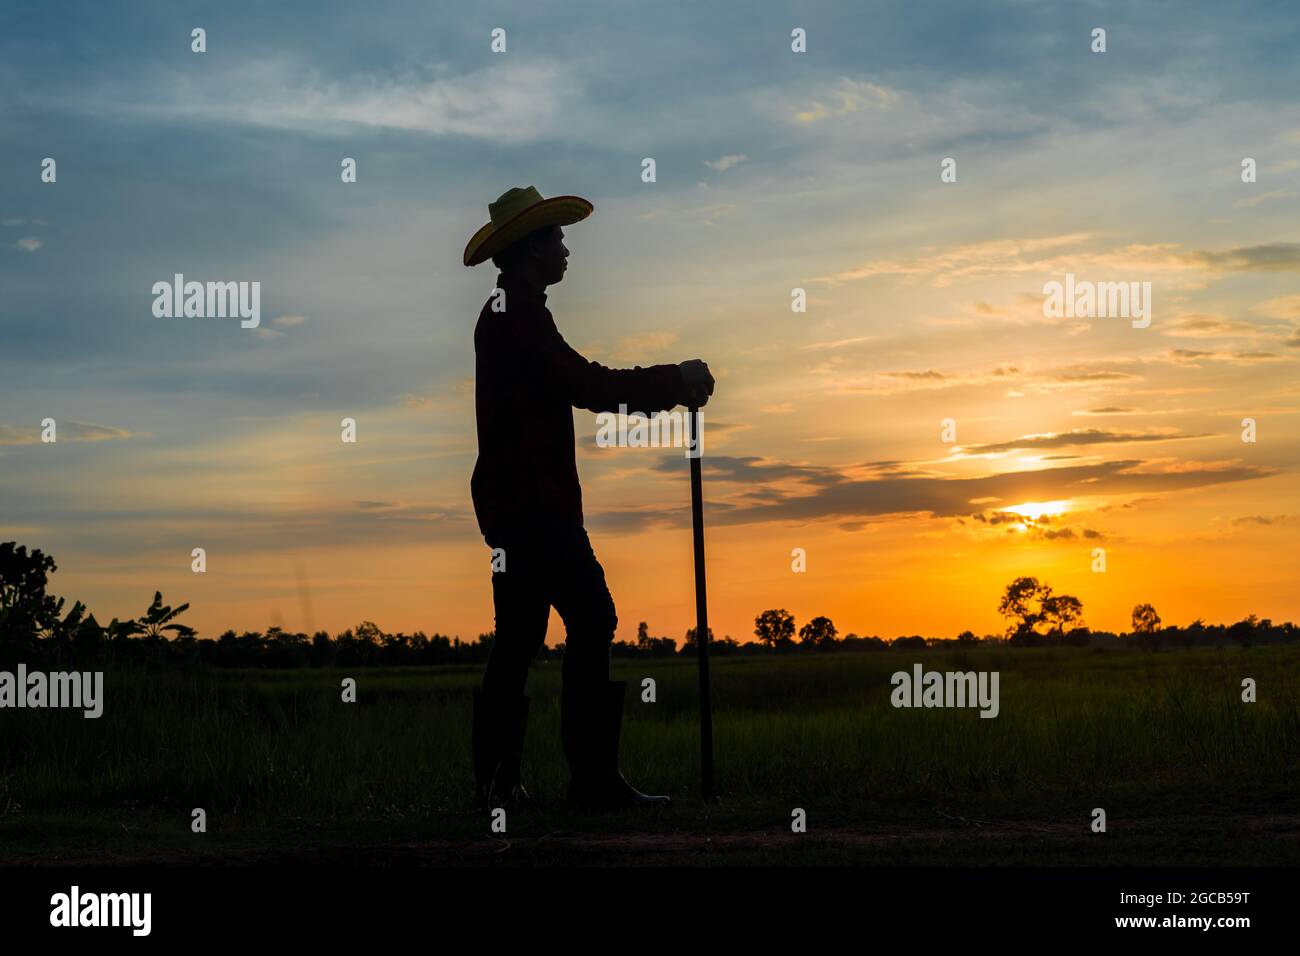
(593, 386)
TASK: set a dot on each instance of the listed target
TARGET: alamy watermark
(208, 300)
(923, 688)
(1098, 300)
(624, 429)
(70, 689)
(76, 908)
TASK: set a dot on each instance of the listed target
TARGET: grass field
(1187, 772)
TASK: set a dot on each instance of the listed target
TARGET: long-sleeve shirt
(527, 381)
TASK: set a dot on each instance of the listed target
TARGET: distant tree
(158, 620)
(852, 642)
(25, 608)
(1078, 637)
(775, 628)
(623, 649)
(967, 637)
(647, 645)
(1244, 631)
(117, 637)
(60, 634)
(1017, 606)
(1194, 633)
(819, 632)
(87, 636)
(1056, 612)
(1059, 611)
(1145, 619)
(690, 638)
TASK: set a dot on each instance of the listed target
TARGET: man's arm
(592, 386)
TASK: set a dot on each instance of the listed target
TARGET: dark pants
(548, 566)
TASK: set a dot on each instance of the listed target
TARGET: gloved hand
(698, 381)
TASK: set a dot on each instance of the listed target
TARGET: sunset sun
(1035, 510)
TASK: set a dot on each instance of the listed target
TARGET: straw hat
(516, 213)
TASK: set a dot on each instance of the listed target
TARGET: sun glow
(1034, 510)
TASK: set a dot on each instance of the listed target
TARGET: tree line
(36, 629)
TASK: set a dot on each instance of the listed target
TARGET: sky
(774, 171)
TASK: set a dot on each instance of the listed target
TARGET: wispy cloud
(1203, 326)
(1281, 307)
(1075, 438)
(506, 102)
(845, 96)
(64, 431)
(1265, 197)
(724, 163)
(1046, 256)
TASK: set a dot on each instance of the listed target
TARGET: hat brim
(556, 211)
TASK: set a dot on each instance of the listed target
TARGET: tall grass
(1074, 724)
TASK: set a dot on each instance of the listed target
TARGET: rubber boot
(483, 749)
(591, 723)
(497, 746)
(508, 785)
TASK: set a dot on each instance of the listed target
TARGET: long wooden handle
(701, 613)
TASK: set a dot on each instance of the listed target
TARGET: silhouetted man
(529, 503)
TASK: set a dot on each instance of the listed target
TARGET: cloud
(507, 102)
(1264, 197)
(1047, 256)
(64, 431)
(991, 257)
(29, 244)
(726, 162)
(779, 491)
(929, 375)
(835, 345)
(1188, 356)
(844, 97)
(1074, 438)
(910, 380)
(1095, 375)
(1266, 520)
(288, 321)
(1273, 257)
(1193, 357)
(1045, 527)
(1281, 307)
(1204, 326)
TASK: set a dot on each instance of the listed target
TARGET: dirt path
(956, 841)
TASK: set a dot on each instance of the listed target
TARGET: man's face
(552, 256)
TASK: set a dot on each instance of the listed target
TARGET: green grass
(1185, 770)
